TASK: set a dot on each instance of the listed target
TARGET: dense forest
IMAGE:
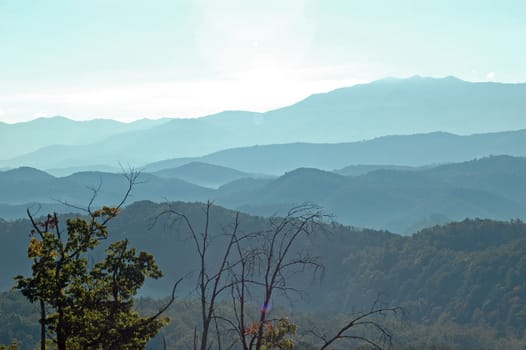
(458, 285)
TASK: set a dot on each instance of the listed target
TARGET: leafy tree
(82, 306)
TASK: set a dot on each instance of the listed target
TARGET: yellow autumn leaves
(35, 249)
(107, 212)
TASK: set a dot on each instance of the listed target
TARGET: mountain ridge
(30, 136)
(360, 112)
(399, 200)
(398, 150)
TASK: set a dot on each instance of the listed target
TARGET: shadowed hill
(27, 185)
(203, 174)
(502, 174)
(356, 170)
(399, 200)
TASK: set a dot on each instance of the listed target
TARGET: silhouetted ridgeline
(361, 112)
(399, 150)
(33, 135)
(401, 200)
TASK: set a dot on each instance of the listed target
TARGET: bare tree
(269, 268)
(253, 268)
(211, 282)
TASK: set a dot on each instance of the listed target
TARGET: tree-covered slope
(471, 272)
(466, 276)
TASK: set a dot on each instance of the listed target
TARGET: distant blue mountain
(203, 174)
(360, 112)
(28, 185)
(394, 151)
(397, 200)
(20, 138)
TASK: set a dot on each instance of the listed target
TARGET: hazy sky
(131, 59)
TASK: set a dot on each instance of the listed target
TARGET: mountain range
(206, 175)
(367, 111)
(403, 170)
(397, 199)
(401, 151)
(33, 135)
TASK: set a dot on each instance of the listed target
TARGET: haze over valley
(396, 155)
(366, 112)
(294, 175)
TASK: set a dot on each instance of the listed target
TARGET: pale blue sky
(131, 59)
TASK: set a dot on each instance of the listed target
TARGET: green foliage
(460, 284)
(85, 307)
(184, 315)
(470, 273)
(13, 346)
(18, 321)
(279, 335)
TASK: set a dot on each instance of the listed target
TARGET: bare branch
(363, 319)
(169, 303)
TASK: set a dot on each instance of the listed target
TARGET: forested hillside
(459, 278)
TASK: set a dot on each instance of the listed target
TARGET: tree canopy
(86, 304)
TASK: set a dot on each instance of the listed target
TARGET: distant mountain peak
(25, 169)
(203, 166)
(55, 118)
(26, 172)
(417, 78)
(308, 172)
